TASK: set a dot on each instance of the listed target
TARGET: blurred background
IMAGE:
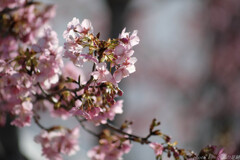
(188, 70)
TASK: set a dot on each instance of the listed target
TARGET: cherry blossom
(221, 155)
(158, 148)
(23, 113)
(75, 29)
(33, 76)
(111, 147)
(77, 42)
(127, 39)
(102, 74)
(8, 47)
(57, 142)
(49, 57)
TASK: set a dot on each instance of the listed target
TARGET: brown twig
(86, 129)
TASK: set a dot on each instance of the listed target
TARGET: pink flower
(221, 155)
(129, 64)
(115, 109)
(76, 30)
(50, 144)
(29, 20)
(74, 24)
(76, 45)
(69, 142)
(120, 73)
(49, 69)
(89, 114)
(123, 51)
(24, 114)
(125, 69)
(129, 40)
(119, 50)
(49, 59)
(158, 148)
(49, 41)
(86, 26)
(8, 47)
(110, 149)
(102, 74)
(72, 51)
(88, 57)
(58, 141)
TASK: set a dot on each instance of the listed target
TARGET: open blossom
(158, 148)
(76, 45)
(102, 74)
(49, 41)
(221, 155)
(123, 55)
(109, 114)
(116, 108)
(28, 21)
(127, 68)
(13, 86)
(14, 83)
(120, 73)
(49, 58)
(76, 29)
(23, 113)
(89, 114)
(97, 114)
(111, 147)
(127, 39)
(8, 47)
(57, 142)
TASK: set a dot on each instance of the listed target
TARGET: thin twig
(43, 91)
(39, 124)
(131, 136)
(86, 129)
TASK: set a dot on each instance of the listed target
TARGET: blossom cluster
(32, 68)
(111, 147)
(33, 77)
(11, 4)
(27, 58)
(81, 46)
(96, 100)
(57, 141)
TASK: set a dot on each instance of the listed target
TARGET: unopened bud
(120, 92)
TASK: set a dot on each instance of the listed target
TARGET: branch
(86, 129)
(142, 140)
(39, 124)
